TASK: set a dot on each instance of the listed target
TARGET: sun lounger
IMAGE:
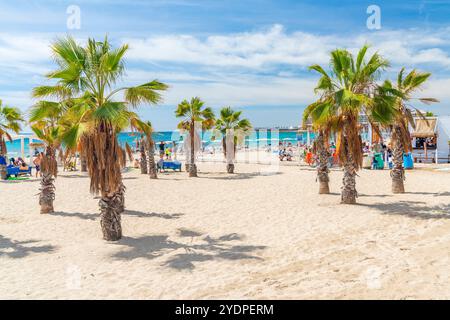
(16, 171)
(174, 165)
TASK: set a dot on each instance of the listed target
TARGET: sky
(252, 55)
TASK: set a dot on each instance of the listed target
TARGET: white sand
(240, 236)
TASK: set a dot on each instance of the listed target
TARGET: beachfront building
(431, 139)
(28, 145)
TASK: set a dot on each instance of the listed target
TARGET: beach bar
(430, 139)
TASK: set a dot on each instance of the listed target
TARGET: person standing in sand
(37, 164)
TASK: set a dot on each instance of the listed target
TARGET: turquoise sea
(256, 138)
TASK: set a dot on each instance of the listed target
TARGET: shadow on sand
(140, 214)
(412, 209)
(20, 249)
(79, 215)
(235, 176)
(154, 246)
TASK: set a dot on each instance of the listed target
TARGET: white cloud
(250, 50)
(264, 67)
(274, 46)
(270, 91)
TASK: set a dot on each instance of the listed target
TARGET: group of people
(164, 152)
(285, 151)
(23, 166)
(311, 157)
(377, 151)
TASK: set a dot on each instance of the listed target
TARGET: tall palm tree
(44, 120)
(348, 91)
(231, 127)
(89, 75)
(147, 145)
(193, 111)
(406, 87)
(10, 120)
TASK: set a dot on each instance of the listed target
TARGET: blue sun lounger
(16, 171)
(174, 165)
(12, 170)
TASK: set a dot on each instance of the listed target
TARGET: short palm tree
(10, 120)
(401, 139)
(232, 128)
(194, 112)
(88, 75)
(348, 91)
(321, 146)
(143, 160)
(147, 146)
(44, 120)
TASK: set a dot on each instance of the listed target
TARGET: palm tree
(44, 119)
(349, 90)
(147, 145)
(88, 75)
(10, 119)
(231, 127)
(143, 160)
(321, 147)
(193, 112)
(406, 87)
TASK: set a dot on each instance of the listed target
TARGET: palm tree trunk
(397, 172)
(3, 171)
(322, 168)
(348, 194)
(83, 163)
(49, 168)
(47, 193)
(143, 162)
(105, 159)
(111, 208)
(192, 165)
(151, 159)
(230, 165)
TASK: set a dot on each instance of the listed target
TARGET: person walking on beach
(161, 149)
(37, 163)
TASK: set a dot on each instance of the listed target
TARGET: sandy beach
(246, 235)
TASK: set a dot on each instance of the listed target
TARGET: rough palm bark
(143, 161)
(348, 194)
(322, 168)
(105, 159)
(3, 171)
(151, 159)
(111, 207)
(121, 197)
(49, 172)
(397, 172)
(83, 164)
(192, 165)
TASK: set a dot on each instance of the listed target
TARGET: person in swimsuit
(37, 163)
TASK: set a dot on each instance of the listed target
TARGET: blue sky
(252, 55)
